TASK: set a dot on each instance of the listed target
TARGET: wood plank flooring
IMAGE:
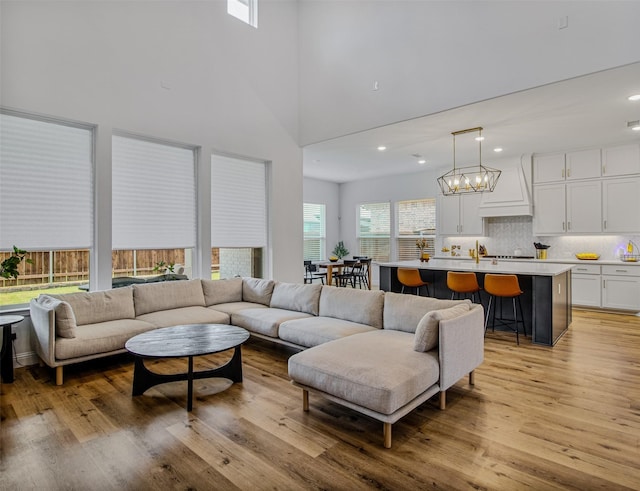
(538, 418)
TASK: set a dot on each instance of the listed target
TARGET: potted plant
(340, 250)
(9, 267)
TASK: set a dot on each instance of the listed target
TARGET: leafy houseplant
(340, 250)
(9, 267)
(164, 267)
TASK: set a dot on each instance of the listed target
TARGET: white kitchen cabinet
(582, 164)
(567, 208)
(549, 204)
(548, 168)
(621, 205)
(458, 215)
(621, 160)
(621, 287)
(584, 207)
(586, 284)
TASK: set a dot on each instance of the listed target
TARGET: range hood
(512, 194)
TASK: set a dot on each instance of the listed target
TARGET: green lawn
(23, 297)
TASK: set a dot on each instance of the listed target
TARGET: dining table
(339, 264)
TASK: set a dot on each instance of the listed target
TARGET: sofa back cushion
(361, 306)
(167, 295)
(257, 291)
(222, 291)
(296, 296)
(403, 312)
(94, 307)
(65, 319)
(426, 337)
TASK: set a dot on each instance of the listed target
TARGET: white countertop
(571, 260)
(524, 267)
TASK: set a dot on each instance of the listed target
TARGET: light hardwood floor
(538, 418)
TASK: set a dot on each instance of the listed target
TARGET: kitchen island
(546, 298)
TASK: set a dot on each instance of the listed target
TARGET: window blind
(153, 195)
(416, 219)
(374, 230)
(46, 184)
(314, 231)
(238, 202)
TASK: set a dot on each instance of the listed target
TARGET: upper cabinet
(548, 168)
(582, 164)
(621, 161)
(458, 215)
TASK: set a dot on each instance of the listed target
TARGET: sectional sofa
(379, 353)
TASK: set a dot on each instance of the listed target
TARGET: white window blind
(314, 231)
(416, 219)
(238, 202)
(46, 184)
(374, 230)
(153, 195)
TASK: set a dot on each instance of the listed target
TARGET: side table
(6, 356)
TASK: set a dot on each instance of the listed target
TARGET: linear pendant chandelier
(471, 179)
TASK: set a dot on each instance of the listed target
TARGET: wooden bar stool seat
(504, 286)
(411, 278)
(463, 284)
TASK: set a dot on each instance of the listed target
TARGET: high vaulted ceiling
(587, 111)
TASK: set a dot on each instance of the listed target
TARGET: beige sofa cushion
(296, 296)
(257, 291)
(65, 319)
(222, 291)
(385, 375)
(264, 321)
(318, 330)
(167, 295)
(360, 306)
(94, 307)
(426, 336)
(104, 337)
(185, 315)
(403, 312)
(230, 308)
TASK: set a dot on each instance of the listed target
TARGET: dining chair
(311, 273)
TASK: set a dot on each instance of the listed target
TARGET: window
(245, 10)
(46, 202)
(374, 230)
(153, 205)
(238, 215)
(153, 195)
(314, 232)
(416, 219)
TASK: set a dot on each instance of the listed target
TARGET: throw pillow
(426, 337)
(65, 318)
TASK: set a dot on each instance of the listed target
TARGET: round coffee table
(186, 342)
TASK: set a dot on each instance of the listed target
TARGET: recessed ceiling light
(479, 138)
(634, 97)
(497, 149)
(422, 161)
(382, 148)
(634, 125)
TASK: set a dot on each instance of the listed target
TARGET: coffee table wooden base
(144, 379)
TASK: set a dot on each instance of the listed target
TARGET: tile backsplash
(506, 234)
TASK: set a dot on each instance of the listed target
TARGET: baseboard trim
(25, 359)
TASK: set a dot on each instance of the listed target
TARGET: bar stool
(463, 284)
(411, 278)
(504, 286)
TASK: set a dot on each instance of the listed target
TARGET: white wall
(183, 71)
(429, 56)
(177, 70)
(327, 193)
